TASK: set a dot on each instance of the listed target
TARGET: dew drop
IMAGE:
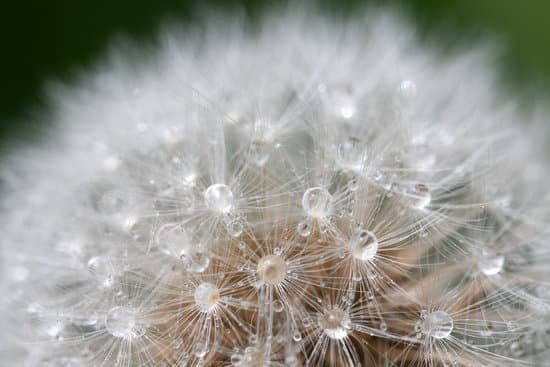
(335, 323)
(196, 260)
(170, 238)
(206, 296)
(297, 336)
(272, 269)
(363, 245)
(351, 154)
(438, 324)
(200, 349)
(219, 198)
(317, 202)
(304, 229)
(419, 196)
(235, 228)
(278, 306)
(121, 322)
(490, 263)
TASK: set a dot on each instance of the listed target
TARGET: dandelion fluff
(310, 192)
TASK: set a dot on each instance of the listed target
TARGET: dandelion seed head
(305, 192)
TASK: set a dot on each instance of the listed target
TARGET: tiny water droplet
(278, 306)
(363, 245)
(195, 260)
(219, 198)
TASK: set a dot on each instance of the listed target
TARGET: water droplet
(171, 238)
(407, 88)
(271, 269)
(297, 336)
(490, 263)
(195, 260)
(259, 152)
(122, 322)
(419, 196)
(206, 296)
(438, 324)
(317, 202)
(304, 229)
(235, 228)
(200, 349)
(363, 245)
(352, 154)
(278, 306)
(335, 323)
(219, 198)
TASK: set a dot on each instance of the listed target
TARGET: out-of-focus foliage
(54, 39)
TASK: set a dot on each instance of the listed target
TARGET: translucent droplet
(304, 229)
(97, 265)
(363, 245)
(235, 228)
(407, 88)
(297, 336)
(490, 263)
(195, 260)
(206, 296)
(271, 269)
(340, 102)
(351, 154)
(438, 324)
(419, 196)
(219, 198)
(122, 322)
(317, 202)
(260, 152)
(278, 306)
(171, 238)
(335, 323)
(200, 349)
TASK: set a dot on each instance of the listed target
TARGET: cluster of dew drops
(317, 204)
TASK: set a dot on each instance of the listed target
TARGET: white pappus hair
(310, 192)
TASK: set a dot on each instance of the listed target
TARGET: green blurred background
(52, 40)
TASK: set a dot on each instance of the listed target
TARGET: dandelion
(309, 192)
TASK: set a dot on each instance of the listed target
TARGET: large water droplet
(335, 323)
(490, 263)
(195, 260)
(122, 322)
(317, 202)
(219, 198)
(363, 245)
(271, 269)
(437, 324)
(206, 296)
(351, 154)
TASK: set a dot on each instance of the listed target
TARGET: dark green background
(52, 40)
